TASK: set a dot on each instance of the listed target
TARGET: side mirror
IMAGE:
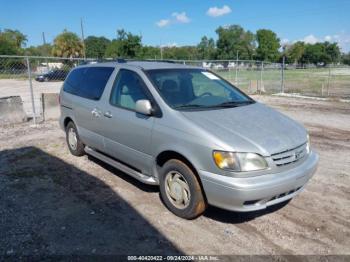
(144, 107)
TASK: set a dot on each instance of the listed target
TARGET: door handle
(96, 113)
(108, 114)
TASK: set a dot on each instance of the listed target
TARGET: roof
(146, 65)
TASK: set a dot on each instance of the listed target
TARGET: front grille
(289, 156)
(285, 194)
(257, 201)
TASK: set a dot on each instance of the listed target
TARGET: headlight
(239, 161)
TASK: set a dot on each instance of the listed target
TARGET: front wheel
(75, 146)
(180, 190)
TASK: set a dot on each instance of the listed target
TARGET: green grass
(305, 81)
(13, 76)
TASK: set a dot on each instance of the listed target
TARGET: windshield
(196, 89)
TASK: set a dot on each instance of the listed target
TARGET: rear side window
(88, 82)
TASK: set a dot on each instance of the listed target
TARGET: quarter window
(72, 83)
(88, 82)
(128, 88)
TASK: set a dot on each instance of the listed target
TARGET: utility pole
(44, 41)
(46, 54)
(82, 36)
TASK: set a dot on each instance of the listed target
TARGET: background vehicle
(231, 65)
(54, 75)
(187, 130)
(218, 66)
(207, 65)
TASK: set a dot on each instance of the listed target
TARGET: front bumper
(258, 192)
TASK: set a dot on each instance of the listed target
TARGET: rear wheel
(75, 146)
(180, 190)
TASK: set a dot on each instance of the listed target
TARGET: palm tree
(67, 44)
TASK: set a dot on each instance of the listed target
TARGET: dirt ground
(54, 203)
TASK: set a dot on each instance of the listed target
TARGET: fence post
(262, 88)
(282, 75)
(257, 77)
(236, 78)
(329, 79)
(322, 89)
(31, 89)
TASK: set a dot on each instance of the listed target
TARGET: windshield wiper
(235, 103)
(188, 106)
(224, 104)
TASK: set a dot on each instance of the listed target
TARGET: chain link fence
(270, 78)
(27, 78)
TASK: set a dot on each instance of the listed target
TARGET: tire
(46, 79)
(77, 148)
(184, 201)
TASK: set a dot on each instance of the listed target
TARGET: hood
(251, 128)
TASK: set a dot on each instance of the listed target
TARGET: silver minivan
(198, 137)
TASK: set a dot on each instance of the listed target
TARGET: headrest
(170, 86)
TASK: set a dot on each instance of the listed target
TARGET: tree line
(232, 42)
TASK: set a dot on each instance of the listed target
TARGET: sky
(180, 22)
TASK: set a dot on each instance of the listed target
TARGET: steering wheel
(205, 94)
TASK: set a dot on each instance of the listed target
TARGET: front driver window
(128, 88)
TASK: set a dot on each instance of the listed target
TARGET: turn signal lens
(239, 161)
(226, 160)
